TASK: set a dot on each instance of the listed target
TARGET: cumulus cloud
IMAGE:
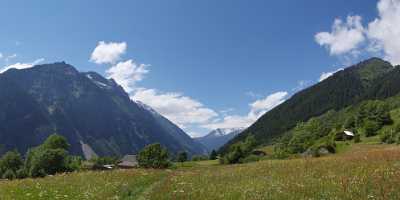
(261, 106)
(326, 75)
(344, 37)
(381, 36)
(127, 74)
(22, 65)
(108, 52)
(178, 108)
(185, 111)
(257, 109)
(384, 31)
(230, 121)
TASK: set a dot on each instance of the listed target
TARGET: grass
(368, 172)
(119, 184)
(362, 171)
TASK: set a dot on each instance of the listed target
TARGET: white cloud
(384, 31)
(22, 65)
(381, 37)
(230, 121)
(108, 52)
(261, 106)
(194, 134)
(344, 37)
(326, 75)
(257, 109)
(182, 110)
(186, 112)
(127, 74)
(1, 55)
(178, 108)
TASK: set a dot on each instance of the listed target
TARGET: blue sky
(199, 63)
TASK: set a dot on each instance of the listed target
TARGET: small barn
(344, 135)
(128, 161)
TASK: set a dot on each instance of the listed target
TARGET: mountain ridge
(218, 137)
(344, 88)
(84, 107)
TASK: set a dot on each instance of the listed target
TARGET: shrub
(350, 123)
(280, 154)
(182, 156)
(357, 138)
(73, 163)
(235, 155)
(213, 155)
(11, 161)
(21, 173)
(391, 135)
(56, 142)
(153, 156)
(9, 174)
(50, 161)
(239, 151)
(371, 128)
(374, 110)
(48, 158)
(251, 158)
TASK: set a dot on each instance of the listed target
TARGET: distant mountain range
(371, 79)
(95, 114)
(218, 137)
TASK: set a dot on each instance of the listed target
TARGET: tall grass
(365, 173)
(361, 172)
(119, 184)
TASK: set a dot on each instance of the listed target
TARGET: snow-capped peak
(98, 82)
(89, 76)
(225, 131)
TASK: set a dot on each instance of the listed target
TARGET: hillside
(344, 88)
(95, 114)
(218, 137)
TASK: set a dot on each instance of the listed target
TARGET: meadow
(363, 171)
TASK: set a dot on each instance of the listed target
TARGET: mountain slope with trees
(370, 79)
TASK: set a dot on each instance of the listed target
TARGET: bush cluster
(154, 156)
(239, 152)
(391, 135)
(47, 159)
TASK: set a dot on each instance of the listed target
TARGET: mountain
(369, 79)
(218, 137)
(95, 114)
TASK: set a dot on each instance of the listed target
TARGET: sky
(202, 64)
